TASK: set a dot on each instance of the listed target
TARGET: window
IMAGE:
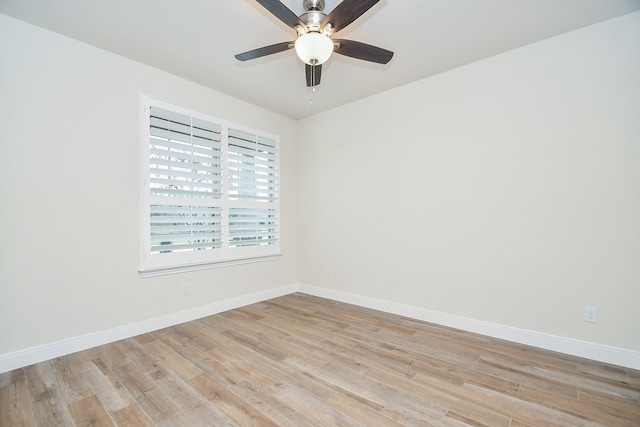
(209, 190)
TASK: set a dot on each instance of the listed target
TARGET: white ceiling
(197, 40)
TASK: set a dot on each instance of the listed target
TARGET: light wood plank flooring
(300, 360)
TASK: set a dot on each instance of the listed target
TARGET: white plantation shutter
(185, 155)
(253, 189)
(210, 189)
(250, 227)
(253, 173)
(177, 228)
(185, 183)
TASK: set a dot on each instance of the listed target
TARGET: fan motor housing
(313, 19)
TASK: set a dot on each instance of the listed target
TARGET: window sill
(164, 271)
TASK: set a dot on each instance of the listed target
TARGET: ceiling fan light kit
(314, 48)
(314, 28)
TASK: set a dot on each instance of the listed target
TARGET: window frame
(169, 262)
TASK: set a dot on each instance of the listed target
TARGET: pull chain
(313, 84)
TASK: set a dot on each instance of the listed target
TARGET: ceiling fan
(315, 29)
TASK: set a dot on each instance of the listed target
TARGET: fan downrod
(313, 5)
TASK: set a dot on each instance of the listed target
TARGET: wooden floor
(305, 361)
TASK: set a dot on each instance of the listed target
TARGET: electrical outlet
(591, 314)
(328, 273)
(185, 289)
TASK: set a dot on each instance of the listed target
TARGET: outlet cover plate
(591, 314)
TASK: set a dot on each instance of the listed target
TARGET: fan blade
(363, 51)
(346, 12)
(281, 12)
(264, 51)
(313, 73)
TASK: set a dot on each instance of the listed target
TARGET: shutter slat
(247, 168)
(160, 113)
(193, 179)
(183, 177)
(248, 154)
(185, 247)
(243, 243)
(164, 148)
(158, 134)
(173, 238)
(186, 210)
(159, 192)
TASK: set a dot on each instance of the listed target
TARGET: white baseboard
(599, 352)
(44, 352)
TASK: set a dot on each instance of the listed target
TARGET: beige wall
(69, 192)
(506, 191)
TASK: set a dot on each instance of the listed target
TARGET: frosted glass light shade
(314, 48)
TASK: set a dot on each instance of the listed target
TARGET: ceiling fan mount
(313, 16)
(315, 29)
